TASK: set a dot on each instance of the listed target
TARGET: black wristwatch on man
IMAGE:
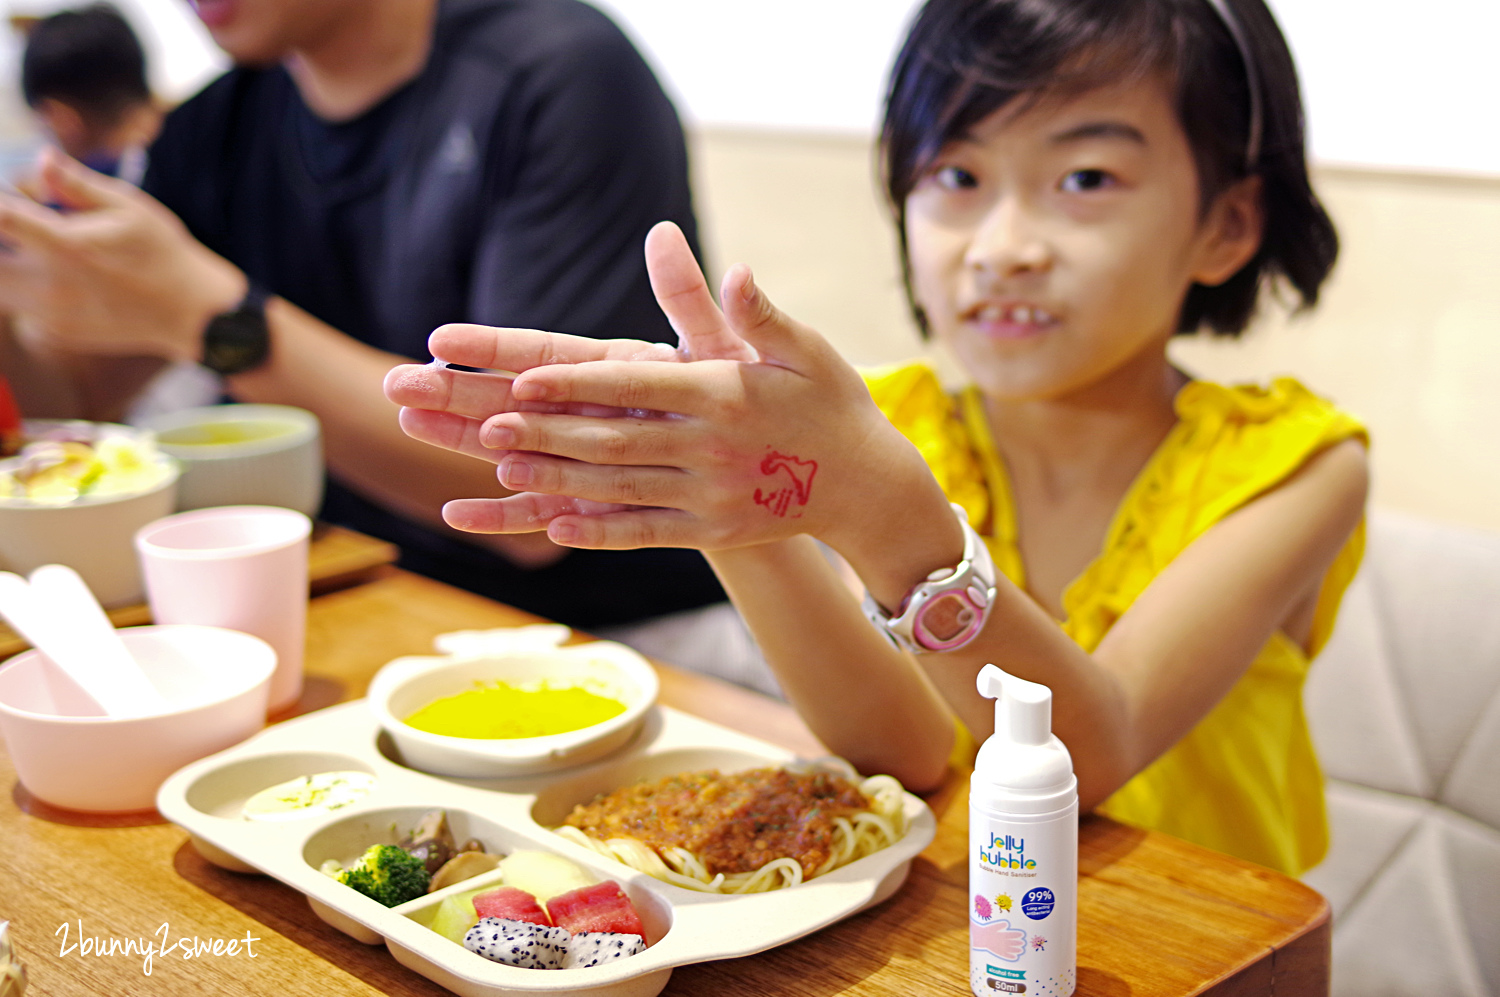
(238, 340)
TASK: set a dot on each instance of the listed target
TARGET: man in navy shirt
(371, 169)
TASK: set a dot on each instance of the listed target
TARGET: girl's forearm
(910, 531)
(1091, 711)
(870, 704)
(863, 699)
(895, 526)
(905, 529)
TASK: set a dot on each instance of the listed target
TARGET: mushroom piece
(472, 845)
(430, 840)
(462, 866)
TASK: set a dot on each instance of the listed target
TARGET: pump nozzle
(1023, 710)
(991, 682)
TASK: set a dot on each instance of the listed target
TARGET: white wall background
(1388, 83)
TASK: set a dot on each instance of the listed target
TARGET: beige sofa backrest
(1404, 705)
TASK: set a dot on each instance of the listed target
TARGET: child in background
(1074, 182)
(84, 75)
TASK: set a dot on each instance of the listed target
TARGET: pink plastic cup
(241, 567)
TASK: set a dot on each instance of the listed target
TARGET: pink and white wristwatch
(947, 610)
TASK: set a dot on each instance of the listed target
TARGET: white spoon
(61, 618)
(18, 606)
(62, 591)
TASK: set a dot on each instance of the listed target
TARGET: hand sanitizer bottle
(1023, 848)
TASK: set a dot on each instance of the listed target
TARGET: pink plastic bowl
(216, 682)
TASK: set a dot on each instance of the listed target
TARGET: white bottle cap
(1023, 767)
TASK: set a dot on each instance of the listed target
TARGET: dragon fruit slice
(518, 943)
(593, 948)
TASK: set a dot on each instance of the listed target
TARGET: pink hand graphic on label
(800, 490)
(999, 939)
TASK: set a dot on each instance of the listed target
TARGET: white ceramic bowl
(94, 535)
(216, 682)
(279, 462)
(407, 684)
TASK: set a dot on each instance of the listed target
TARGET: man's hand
(111, 272)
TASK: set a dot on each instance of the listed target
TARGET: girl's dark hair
(964, 59)
(88, 58)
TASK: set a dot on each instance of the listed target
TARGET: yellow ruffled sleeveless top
(1245, 780)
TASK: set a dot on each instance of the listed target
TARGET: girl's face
(1053, 247)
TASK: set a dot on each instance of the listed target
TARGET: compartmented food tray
(682, 926)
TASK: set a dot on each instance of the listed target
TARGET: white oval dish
(407, 684)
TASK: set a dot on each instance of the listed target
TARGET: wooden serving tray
(335, 557)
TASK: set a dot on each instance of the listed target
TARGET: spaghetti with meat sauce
(744, 832)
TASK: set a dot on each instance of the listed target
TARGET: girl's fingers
(681, 388)
(613, 484)
(683, 295)
(625, 530)
(522, 513)
(775, 336)
(505, 515)
(516, 350)
(633, 441)
(451, 432)
(585, 525)
(471, 395)
(461, 393)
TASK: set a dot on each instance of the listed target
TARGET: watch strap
(948, 609)
(255, 298)
(238, 340)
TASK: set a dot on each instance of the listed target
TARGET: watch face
(235, 341)
(947, 620)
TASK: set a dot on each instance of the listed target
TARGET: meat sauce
(733, 823)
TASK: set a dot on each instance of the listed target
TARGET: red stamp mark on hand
(780, 500)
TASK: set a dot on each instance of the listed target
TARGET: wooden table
(1157, 916)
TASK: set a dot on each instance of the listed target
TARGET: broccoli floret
(387, 874)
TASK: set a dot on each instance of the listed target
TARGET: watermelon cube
(601, 907)
(511, 903)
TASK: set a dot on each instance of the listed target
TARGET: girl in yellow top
(1074, 182)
